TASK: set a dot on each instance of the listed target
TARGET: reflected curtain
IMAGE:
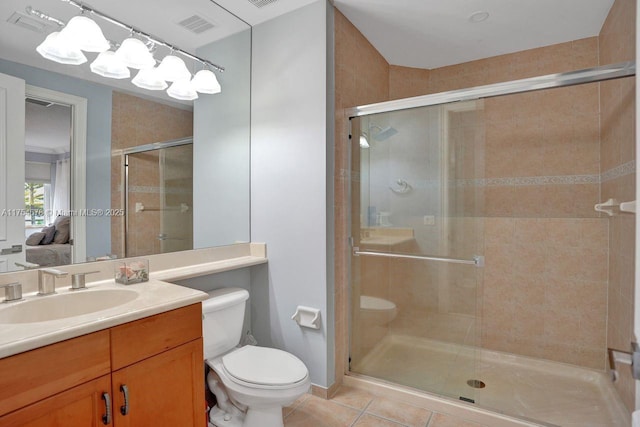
(61, 201)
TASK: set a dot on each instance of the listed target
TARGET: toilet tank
(222, 319)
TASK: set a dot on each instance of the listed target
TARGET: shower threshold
(551, 392)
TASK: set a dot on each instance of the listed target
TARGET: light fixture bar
(141, 33)
(42, 15)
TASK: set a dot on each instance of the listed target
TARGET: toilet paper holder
(307, 317)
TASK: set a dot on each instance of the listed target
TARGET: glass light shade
(363, 141)
(149, 78)
(206, 82)
(85, 34)
(57, 50)
(183, 90)
(135, 54)
(107, 64)
(173, 69)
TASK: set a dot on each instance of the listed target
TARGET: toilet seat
(375, 304)
(263, 367)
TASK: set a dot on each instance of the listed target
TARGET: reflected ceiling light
(182, 89)
(85, 34)
(173, 69)
(55, 50)
(206, 82)
(363, 141)
(107, 64)
(135, 54)
(149, 78)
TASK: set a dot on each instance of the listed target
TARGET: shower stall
(479, 268)
(158, 197)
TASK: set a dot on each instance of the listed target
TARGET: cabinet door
(166, 390)
(83, 405)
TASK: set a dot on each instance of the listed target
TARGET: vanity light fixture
(173, 69)
(135, 54)
(364, 143)
(107, 64)
(84, 34)
(182, 89)
(206, 82)
(55, 50)
(149, 78)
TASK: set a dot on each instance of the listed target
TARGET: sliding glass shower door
(418, 247)
(159, 200)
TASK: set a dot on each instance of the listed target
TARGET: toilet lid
(265, 366)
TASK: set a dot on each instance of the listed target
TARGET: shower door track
(477, 260)
(571, 78)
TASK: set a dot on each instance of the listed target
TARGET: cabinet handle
(124, 409)
(106, 418)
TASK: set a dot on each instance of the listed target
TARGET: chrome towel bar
(478, 260)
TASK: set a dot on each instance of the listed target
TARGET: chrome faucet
(47, 280)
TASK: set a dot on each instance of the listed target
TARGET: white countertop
(154, 297)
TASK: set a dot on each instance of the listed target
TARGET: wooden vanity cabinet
(157, 360)
(166, 389)
(81, 406)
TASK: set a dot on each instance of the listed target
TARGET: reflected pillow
(35, 239)
(49, 233)
(62, 225)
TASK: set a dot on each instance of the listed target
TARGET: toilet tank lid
(223, 298)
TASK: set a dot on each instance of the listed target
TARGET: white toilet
(251, 383)
(377, 311)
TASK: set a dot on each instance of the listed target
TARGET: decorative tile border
(158, 190)
(617, 172)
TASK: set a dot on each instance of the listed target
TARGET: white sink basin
(61, 306)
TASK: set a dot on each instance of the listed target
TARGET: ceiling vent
(261, 3)
(28, 22)
(196, 24)
(39, 102)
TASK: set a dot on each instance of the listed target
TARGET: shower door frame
(125, 158)
(558, 80)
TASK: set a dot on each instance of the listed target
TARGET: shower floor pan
(549, 392)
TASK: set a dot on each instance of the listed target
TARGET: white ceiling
(437, 33)
(47, 129)
(414, 33)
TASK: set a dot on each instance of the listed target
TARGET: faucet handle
(12, 292)
(53, 271)
(78, 280)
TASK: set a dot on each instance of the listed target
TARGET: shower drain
(476, 384)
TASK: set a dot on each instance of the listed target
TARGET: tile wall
(136, 121)
(617, 44)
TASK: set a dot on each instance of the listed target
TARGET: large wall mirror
(138, 172)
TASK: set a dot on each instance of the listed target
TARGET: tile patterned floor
(355, 408)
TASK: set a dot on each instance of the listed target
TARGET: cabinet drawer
(147, 337)
(34, 375)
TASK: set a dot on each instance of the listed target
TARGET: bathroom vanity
(122, 376)
(112, 354)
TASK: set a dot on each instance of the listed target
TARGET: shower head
(384, 133)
